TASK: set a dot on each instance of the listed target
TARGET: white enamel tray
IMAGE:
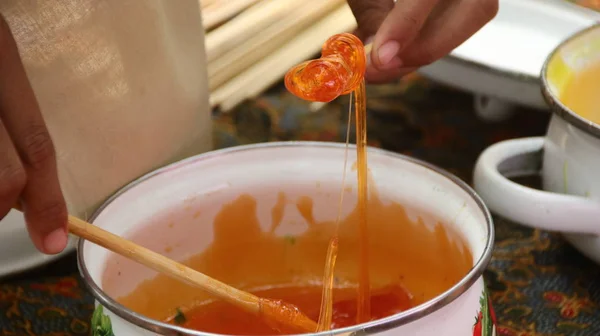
(502, 62)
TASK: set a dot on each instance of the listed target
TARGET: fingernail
(387, 52)
(55, 241)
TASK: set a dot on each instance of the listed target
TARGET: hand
(408, 34)
(28, 172)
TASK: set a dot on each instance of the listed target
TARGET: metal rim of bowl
(557, 107)
(380, 325)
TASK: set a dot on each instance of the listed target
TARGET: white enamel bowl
(299, 169)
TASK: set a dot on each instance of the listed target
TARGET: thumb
(400, 26)
(369, 15)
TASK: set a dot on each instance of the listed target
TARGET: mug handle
(492, 109)
(531, 207)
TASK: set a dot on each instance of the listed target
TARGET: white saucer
(17, 253)
(504, 59)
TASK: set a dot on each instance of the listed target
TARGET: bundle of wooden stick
(251, 44)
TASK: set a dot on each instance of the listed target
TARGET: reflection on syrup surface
(580, 94)
(219, 317)
(410, 263)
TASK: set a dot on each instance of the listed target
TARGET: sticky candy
(339, 71)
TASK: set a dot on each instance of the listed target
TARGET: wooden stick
(252, 50)
(252, 21)
(316, 106)
(213, 16)
(161, 263)
(273, 67)
(244, 300)
(208, 3)
(265, 308)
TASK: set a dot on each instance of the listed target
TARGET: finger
(43, 203)
(369, 15)
(374, 76)
(380, 77)
(397, 31)
(448, 29)
(12, 175)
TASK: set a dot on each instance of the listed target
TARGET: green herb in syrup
(179, 317)
(101, 325)
(290, 239)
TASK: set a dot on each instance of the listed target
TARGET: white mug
(568, 159)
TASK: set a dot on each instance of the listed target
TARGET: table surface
(539, 284)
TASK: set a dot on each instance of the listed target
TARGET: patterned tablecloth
(539, 284)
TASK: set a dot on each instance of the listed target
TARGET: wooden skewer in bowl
(276, 313)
